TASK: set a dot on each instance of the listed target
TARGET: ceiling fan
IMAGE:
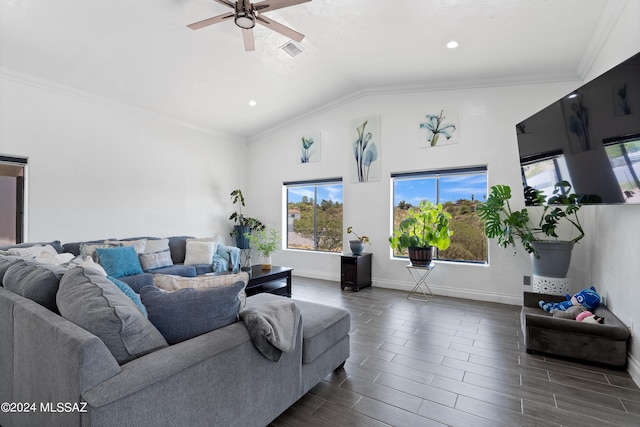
(246, 14)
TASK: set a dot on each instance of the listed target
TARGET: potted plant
(357, 245)
(551, 254)
(266, 241)
(420, 231)
(243, 224)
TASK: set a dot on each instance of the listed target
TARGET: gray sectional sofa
(56, 373)
(600, 343)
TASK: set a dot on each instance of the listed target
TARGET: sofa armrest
(530, 299)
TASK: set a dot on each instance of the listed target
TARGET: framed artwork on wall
(364, 148)
(438, 127)
(309, 146)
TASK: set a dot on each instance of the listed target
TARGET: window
(459, 191)
(314, 215)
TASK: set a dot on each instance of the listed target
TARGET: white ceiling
(140, 52)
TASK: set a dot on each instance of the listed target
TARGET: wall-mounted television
(590, 138)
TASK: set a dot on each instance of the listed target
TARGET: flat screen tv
(590, 138)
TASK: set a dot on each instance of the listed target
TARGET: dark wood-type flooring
(452, 362)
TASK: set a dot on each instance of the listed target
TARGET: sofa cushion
(37, 282)
(137, 281)
(89, 248)
(173, 283)
(32, 252)
(178, 247)
(151, 261)
(323, 326)
(177, 270)
(120, 261)
(199, 252)
(92, 302)
(126, 289)
(138, 244)
(86, 262)
(55, 243)
(156, 245)
(54, 259)
(6, 261)
(187, 313)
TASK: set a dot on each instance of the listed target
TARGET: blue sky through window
(331, 192)
(452, 188)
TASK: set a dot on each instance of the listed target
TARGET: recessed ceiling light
(453, 44)
(252, 103)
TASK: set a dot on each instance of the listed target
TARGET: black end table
(355, 271)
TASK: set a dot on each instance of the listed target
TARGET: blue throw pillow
(126, 289)
(119, 261)
(186, 313)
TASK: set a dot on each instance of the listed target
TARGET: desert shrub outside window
(459, 191)
(314, 215)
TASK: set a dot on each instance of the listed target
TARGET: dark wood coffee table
(275, 281)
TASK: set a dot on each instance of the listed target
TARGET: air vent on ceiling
(292, 48)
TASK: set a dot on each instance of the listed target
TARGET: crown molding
(610, 17)
(28, 80)
(418, 88)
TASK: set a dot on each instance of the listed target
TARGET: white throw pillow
(199, 252)
(32, 251)
(57, 259)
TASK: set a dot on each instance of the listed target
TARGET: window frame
(308, 183)
(438, 174)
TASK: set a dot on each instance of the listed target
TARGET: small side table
(421, 291)
(355, 271)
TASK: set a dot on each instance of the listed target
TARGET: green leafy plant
(239, 218)
(424, 226)
(363, 238)
(266, 240)
(507, 225)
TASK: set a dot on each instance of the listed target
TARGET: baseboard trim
(437, 290)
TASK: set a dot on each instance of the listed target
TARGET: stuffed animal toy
(587, 298)
(570, 313)
(589, 317)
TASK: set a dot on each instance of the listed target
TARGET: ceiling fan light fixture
(245, 19)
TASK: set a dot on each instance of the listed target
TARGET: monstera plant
(506, 225)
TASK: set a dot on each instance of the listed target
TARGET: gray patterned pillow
(93, 302)
(150, 261)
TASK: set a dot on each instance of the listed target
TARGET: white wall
(615, 238)
(101, 170)
(487, 118)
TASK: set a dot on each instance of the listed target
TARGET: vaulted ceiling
(142, 54)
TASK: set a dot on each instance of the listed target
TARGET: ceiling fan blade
(269, 5)
(277, 27)
(232, 5)
(210, 21)
(247, 36)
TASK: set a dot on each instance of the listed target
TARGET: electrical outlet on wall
(526, 280)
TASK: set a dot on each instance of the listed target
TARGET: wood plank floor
(452, 362)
